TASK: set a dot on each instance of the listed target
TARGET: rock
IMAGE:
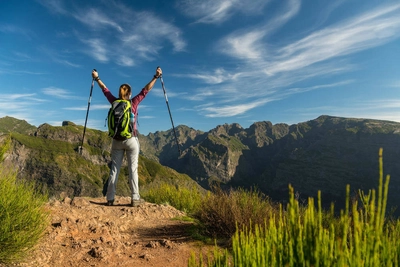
(63, 195)
(66, 123)
(166, 243)
(146, 256)
(97, 252)
(67, 201)
(152, 244)
(80, 202)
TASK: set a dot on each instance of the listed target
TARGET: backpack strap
(134, 121)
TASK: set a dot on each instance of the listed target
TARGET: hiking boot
(110, 202)
(137, 202)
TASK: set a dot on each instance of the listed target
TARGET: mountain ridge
(324, 154)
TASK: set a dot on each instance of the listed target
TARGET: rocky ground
(85, 232)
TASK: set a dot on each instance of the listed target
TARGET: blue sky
(224, 61)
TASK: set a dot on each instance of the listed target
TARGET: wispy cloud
(68, 63)
(217, 76)
(132, 36)
(124, 60)
(145, 36)
(232, 110)
(97, 49)
(360, 33)
(20, 106)
(245, 46)
(271, 72)
(147, 117)
(395, 84)
(12, 97)
(142, 106)
(54, 6)
(18, 56)
(160, 93)
(315, 87)
(96, 19)
(381, 109)
(92, 107)
(203, 93)
(59, 57)
(250, 44)
(20, 72)
(353, 35)
(382, 104)
(59, 93)
(218, 11)
(13, 29)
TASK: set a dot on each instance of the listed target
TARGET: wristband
(156, 76)
(97, 78)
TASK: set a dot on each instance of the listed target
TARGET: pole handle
(156, 69)
(93, 78)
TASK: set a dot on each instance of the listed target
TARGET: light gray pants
(131, 146)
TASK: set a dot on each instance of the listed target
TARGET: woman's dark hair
(125, 91)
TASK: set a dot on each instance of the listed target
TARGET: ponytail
(125, 91)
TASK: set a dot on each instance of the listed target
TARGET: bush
(23, 218)
(221, 212)
(187, 199)
(4, 147)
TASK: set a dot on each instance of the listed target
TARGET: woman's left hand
(95, 74)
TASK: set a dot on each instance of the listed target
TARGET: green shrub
(187, 199)
(23, 218)
(221, 212)
(4, 147)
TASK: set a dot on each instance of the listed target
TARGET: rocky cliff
(51, 157)
(323, 154)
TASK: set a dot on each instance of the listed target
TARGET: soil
(86, 232)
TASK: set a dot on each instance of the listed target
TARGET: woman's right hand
(158, 72)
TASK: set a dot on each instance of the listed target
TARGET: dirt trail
(85, 232)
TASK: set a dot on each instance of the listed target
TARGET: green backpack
(120, 126)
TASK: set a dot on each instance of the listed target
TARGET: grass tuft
(23, 218)
(222, 212)
(187, 199)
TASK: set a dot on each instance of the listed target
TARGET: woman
(131, 145)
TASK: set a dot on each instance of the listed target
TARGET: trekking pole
(170, 116)
(87, 113)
